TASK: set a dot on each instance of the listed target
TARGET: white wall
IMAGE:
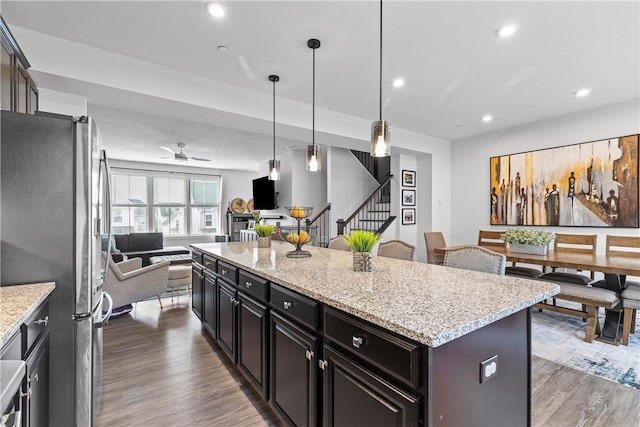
(53, 101)
(470, 164)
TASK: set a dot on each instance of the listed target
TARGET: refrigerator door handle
(107, 208)
(107, 315)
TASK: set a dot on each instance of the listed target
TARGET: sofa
(141, 245)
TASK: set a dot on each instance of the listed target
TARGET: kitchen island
(410, 343)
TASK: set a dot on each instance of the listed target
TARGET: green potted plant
(361, 243)
(263, 231)
(530, 241)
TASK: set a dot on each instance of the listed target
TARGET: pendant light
(380, 134)
(274, 165)
(313, 151)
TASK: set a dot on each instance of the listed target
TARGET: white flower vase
(524, 248)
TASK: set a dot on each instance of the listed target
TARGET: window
(130, 207)
(180, 204)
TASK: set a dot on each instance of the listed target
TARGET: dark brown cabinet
(252, 342)
(355, 396)
(37, 399)
(19, 92)
(293, 375)
(197, 288)
(227, 319)
(209, 303)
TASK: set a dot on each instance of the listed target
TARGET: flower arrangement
(361, 241)
(528, 236)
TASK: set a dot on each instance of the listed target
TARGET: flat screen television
(264, 194)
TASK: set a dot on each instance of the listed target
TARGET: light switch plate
(488, 369)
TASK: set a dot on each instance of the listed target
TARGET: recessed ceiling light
(507, 30)
(215, 9)
(582, 92)
(487, 118)
(223, 49)
(398, 82)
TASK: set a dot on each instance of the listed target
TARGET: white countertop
(19, 302)
(427, 303)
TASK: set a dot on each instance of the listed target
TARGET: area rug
(560, 338)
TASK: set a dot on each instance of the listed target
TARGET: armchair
(128, 282)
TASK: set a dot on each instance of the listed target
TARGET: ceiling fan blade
(200, 159)
(168, 149)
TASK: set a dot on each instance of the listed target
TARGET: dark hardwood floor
(161, 369)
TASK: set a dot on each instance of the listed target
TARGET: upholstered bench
(592, 298)
(179, 276)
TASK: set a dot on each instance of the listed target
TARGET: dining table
(615, 270)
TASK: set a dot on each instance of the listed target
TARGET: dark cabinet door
(197, 284)
(293, 372)
(227, 319)
(252, 342)
(37, 405)
(209, 305)
(354, 396)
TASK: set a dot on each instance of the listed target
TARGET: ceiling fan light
(314, 163)
(274, 170)
(380, 139)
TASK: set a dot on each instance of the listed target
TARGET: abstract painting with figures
(593, 184)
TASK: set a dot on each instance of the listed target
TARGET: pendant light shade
(274, 165)
(380, 134)
(313, 151)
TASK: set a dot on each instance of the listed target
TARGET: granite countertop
(19, 302)
(428, 303)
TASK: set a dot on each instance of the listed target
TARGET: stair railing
(374, 214)
(321, 219)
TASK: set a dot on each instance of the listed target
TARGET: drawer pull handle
(248, 284)
(27, 394)
(223, 271)
(287, 305)
(309, 354)
(41, 321)
(356, 341)
(35, 378)
(322, 364)
(233, 301)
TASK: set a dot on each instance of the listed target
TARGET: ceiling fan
(181, 157)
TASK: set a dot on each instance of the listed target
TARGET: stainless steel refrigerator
(55, 212)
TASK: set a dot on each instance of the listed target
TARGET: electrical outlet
(488, 369)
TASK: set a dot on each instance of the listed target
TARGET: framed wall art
(408, 216)
(592, 184)
(408, 178)
(408, 197)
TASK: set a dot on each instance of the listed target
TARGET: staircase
(374, 214)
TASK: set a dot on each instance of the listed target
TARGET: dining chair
(433, 240)
(577, 244)
(626, 246)
(475, 258)
(396, 249)
(494, 239)
(338, 243)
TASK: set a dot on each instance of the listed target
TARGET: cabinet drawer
(393, 355)
(196, 257)
(228, 272)
(253, 285)
(295, 305)
(210, 263)
(36, 325)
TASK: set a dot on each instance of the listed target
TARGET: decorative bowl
(298, 236)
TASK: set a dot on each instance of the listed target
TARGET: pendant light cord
(274, 121)
(380, 60)
(313, 102)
